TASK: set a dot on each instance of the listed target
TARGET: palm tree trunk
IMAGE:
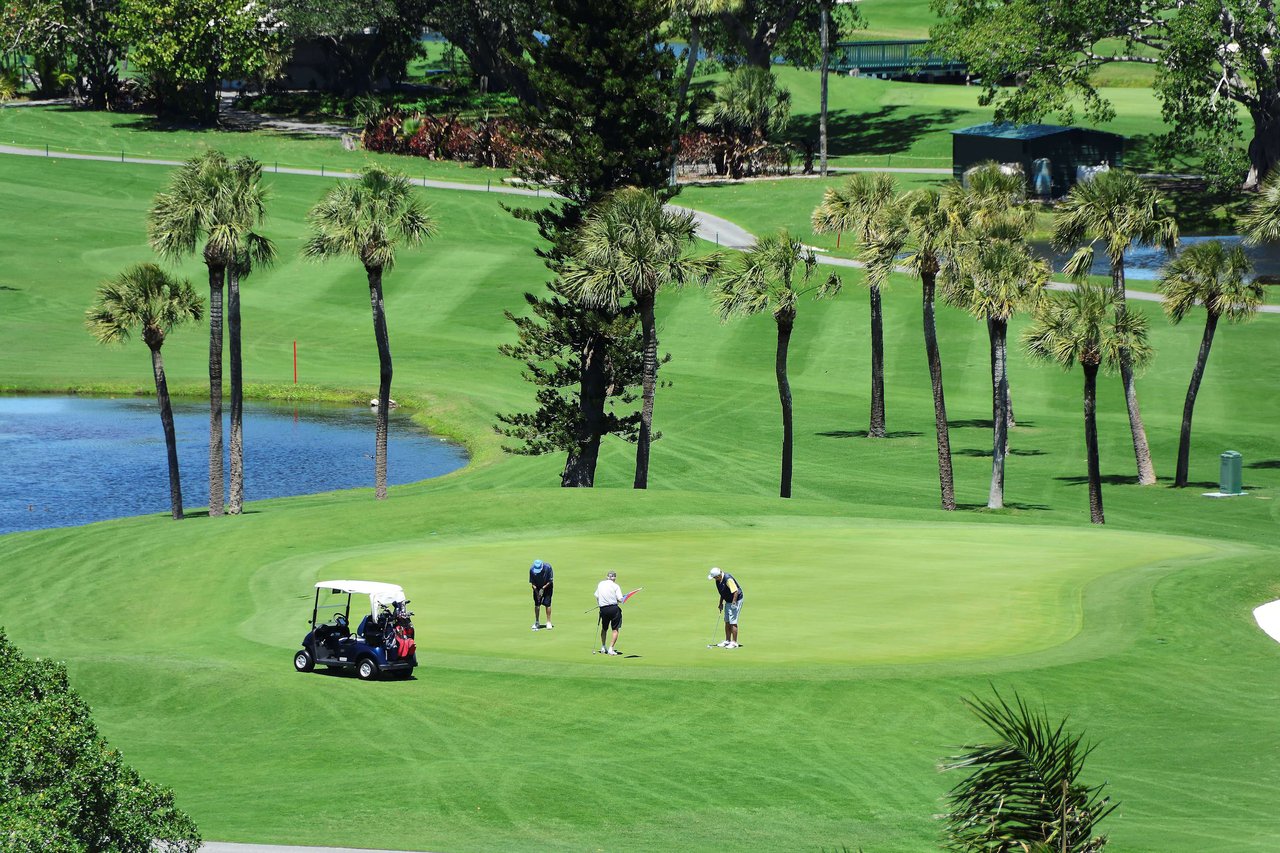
(826, 68)
(1188, 408)
(216, 485)
(1091, 441)
(580, 467)
(1008, 398)
(170, 438)
(236, 500)
(384, 381)
(682, 94)
(786, 322)
(945, 480)
(1141, 450)
(649, 382)
(877, 429)
(999, 425)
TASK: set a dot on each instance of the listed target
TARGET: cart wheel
(367, 669)
(303, 661)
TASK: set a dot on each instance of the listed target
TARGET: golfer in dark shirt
(730, 604)
(541, 578)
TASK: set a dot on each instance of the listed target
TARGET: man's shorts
(543, 597)
(611, 616)
(731, 611)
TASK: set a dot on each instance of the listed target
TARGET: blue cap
(537, 565)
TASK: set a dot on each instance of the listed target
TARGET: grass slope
(870, 612)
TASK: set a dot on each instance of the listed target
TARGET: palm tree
(631, 245)
(1261, 224)
(367, 219)
(144, 298)
(1214, 276)
(748, 108)
(1083, 327)
(1115, 209)
(1024, 791)
(824, 37)
(245, 202)
(854, 207)
(764, 279)
(992, 273)
(212, 199)
(919, 223)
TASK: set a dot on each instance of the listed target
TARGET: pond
(73, 460)
(1144, 262)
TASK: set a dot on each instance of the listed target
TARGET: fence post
(322, 170)
(121, 155)
(46, 149)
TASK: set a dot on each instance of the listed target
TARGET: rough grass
(870, 612)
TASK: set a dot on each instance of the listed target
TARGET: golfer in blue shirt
(541, 578)
(730, 605)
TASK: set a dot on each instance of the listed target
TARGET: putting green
(859, 595)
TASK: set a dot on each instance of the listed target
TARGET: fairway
(816, 595)
(869, 615)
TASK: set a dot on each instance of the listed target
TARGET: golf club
(719, 622)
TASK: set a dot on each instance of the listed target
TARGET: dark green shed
(1050, 154)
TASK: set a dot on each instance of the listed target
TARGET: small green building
(1052, 156)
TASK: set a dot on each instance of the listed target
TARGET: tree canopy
(1215, 70)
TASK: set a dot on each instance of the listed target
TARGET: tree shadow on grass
(862, 433)
(1007, 505)
(1105, 479)
(880, 132)
(1264, 463)
(983, 423)
(1015, 451)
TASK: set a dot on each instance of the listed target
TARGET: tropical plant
(919, 224)
(368, 219)
(1082, 327)
(1261, 223)
(1117, 210)
(992, 273)
(631, 245)
(1023, 792)
(1216, 277)
(145, 300)
(749, 108)
(65, 789)
(221, 202)
(854, 207)
(772, 276)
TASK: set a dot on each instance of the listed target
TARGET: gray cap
(612, 576)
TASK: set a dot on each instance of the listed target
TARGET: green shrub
(62, 789)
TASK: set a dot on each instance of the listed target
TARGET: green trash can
(1230, 478)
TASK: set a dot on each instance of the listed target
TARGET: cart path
(228, 847)
(712, 228)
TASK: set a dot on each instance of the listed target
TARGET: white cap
(715, 573)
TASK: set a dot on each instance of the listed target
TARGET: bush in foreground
(62, 789)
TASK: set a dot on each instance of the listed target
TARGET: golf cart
(383, 639)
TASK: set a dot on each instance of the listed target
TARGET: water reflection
(1144, 262)
(72, 460)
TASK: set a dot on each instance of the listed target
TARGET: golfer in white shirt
(609, 597)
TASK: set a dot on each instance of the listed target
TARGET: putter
(719, 621)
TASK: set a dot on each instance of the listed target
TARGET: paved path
(712, 228)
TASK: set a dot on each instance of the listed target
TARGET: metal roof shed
(1065, 149)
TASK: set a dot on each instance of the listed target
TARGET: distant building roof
(1006, 130)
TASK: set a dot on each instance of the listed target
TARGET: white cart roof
(379, 593)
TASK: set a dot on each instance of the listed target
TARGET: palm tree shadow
(1265, 463)
(862, 433)
(1106, 479)
(983, 423)
(1007, 505)
(1014, 451)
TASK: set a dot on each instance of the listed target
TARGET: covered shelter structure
(1053, 157)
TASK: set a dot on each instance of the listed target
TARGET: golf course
(869, 616)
